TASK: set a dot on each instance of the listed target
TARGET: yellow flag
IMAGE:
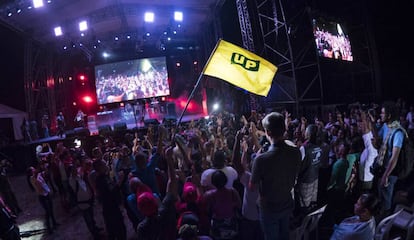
(240, 67)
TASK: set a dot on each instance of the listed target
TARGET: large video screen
(131, 80)
(331, 40)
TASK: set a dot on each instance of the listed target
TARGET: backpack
(406, 158)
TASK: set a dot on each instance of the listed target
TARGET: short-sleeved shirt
(147, 175)
(222, 202)
(338, 177)
(230, 173)
(396, 139)
(351, 229)
(275, 172)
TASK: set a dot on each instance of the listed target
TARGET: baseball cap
(147, 204)
(189, 192)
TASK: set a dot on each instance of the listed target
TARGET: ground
(72, 226)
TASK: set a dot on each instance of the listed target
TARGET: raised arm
(172, 179)
(183, 149)
(236, 158)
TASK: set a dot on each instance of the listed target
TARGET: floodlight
(58, 31)
(178, 16)
(83, 26)
(37, 3)
(149, 17)
(216, 106)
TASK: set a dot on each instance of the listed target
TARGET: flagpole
(197, 83)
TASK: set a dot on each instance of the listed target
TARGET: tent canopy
(17, 117)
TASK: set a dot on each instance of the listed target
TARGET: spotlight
(64, 47)
(19, 10)
(128, 37)
(148, 34)
(9, 14)
(216, 106)
(83, 26)
(82, 34)
(37, 3)
(105, 55)
(178, 16)
(116, 38)
(149, 17)
(58, 31)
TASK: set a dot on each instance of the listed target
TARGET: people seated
(362, 225)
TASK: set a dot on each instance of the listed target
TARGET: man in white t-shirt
(218, 164)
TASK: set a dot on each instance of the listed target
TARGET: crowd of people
(139, 85)
(233, 177)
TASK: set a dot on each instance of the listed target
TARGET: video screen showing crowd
(131, 80)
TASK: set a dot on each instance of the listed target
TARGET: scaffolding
(44, 83)
(281, 32)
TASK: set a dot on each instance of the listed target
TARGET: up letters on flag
(241, 68)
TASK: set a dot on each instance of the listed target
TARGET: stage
(98, 125)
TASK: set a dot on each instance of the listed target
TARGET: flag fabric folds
(241, 68)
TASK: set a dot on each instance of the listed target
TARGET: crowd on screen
(117, 87)
(215, 179)
(333, 46)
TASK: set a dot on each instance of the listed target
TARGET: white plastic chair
(309, 224)
(383, 228)
(405, 220)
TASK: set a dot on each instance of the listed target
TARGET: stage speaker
(121, 126)
(169, 121)
(151, 121)
(171, 110)
(70, 133)
(104, 129)
(82, 132)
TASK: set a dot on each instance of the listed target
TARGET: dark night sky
(391, 21)
(11, 64)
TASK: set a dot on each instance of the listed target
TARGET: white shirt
(249, 208)
(230, 173)
(367, 158)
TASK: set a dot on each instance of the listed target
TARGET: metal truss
(44, 85)
(281, 32)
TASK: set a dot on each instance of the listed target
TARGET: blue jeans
(386, 193)
(275, 225)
